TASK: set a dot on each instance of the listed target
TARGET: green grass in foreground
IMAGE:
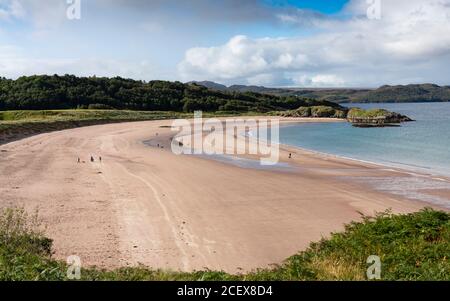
(411, 247)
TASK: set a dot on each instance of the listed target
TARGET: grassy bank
(15, 125)
(79, 115)
(411, 247)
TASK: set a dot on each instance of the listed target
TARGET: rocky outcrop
(316, 111)
(375, 118)
(358, 117)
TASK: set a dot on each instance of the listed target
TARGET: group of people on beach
(92, 159)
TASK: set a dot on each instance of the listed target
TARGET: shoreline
(441, 200)
(418, 172)
(407, 168)
(145, 205)
(290, 121)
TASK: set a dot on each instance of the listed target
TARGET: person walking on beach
(100, 158)
(290, 156)
(79, 160)
(92, 159)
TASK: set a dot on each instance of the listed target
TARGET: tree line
(44, 92)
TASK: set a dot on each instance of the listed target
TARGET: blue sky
(308, 43)
(324, 6)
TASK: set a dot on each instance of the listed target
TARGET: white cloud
(410, 41)
(409, 44)
(14, 63)
(11, 9)
(244, 57)
(319, 81)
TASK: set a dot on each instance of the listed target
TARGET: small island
(356, 116)
(375, 118)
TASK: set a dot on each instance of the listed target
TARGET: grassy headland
(411, 247)
(16, 125)
(38, 104)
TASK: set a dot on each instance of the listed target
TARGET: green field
(411, 247)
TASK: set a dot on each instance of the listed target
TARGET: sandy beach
(145, 205)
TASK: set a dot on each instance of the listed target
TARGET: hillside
(384, 94)
(409, 93)
(71, 92)
(210, 85)
(244, 88)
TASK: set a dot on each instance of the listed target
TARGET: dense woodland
(71, 92)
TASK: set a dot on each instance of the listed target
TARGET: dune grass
(411, 247)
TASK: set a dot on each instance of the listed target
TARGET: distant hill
(409, 93)
(390, 94)
(255, 89)
(210, 85)
(241, 88)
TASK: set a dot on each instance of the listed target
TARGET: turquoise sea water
(423, 145)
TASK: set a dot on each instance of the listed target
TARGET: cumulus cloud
(409, 43)
(321, 80)
(55, 44)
